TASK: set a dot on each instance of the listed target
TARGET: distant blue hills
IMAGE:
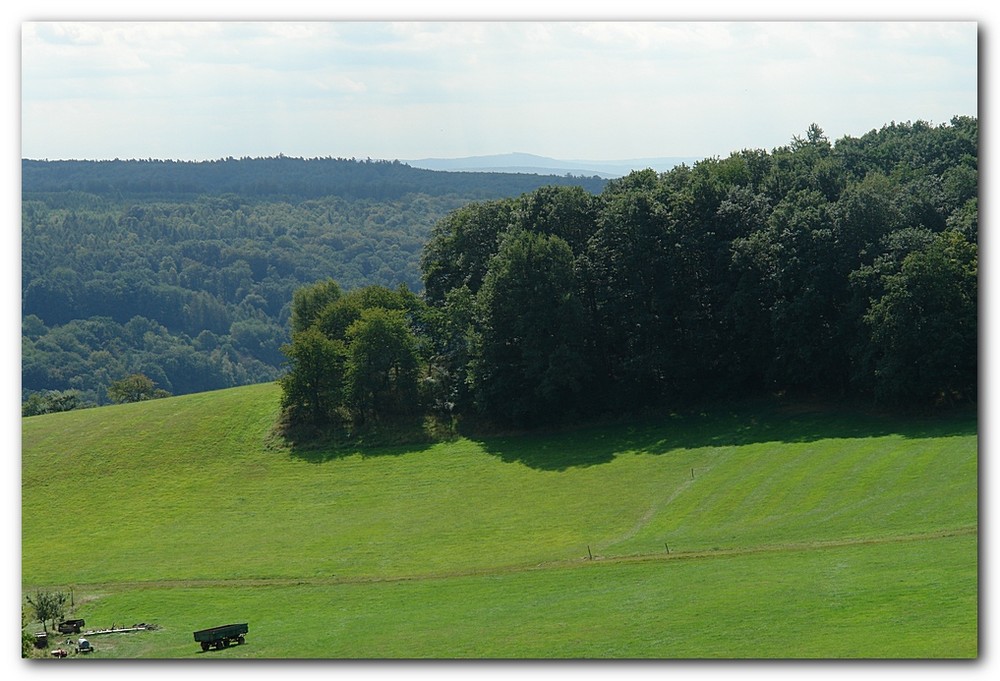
(541, 165)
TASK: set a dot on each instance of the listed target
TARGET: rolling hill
(757, 531)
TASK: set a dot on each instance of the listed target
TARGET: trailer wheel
(240, 640)
(219, 645)
(225, 643)
(205, 645)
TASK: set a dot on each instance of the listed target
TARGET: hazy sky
(587, 90)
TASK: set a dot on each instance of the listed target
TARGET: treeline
(273, 178)
(195, 292)
(844, 270)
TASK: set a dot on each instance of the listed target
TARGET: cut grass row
(912, 599)
(194, 489)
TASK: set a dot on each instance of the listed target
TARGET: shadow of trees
(558, 449)
(340, 440)
(719, 427)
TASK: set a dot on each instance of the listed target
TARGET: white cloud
(411, 89)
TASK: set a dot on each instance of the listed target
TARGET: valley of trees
(832, 271)
(184, 272)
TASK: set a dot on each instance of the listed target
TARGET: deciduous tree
(924, 327)
(382, 365)
(135, 388)
(48, 605)
(313, 387)
(528, 364)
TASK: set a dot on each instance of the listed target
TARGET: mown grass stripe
(581, 562)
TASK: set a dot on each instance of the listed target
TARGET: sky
(602, 90)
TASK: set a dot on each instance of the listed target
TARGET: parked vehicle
(71, 626)
(221, 637)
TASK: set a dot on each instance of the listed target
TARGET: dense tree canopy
(842, 269)
(834, 270)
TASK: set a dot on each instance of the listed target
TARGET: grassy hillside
(757, 532)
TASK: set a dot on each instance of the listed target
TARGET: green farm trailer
(71, 626)
(221, 637)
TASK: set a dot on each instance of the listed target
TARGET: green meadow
(758, 531)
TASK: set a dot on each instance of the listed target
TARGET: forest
(828, 271)
(184, 272)
(832, 270)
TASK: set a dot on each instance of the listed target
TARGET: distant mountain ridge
(281, 176)
(519, 162)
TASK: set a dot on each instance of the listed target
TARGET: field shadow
(319, 445)
(557, 450)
